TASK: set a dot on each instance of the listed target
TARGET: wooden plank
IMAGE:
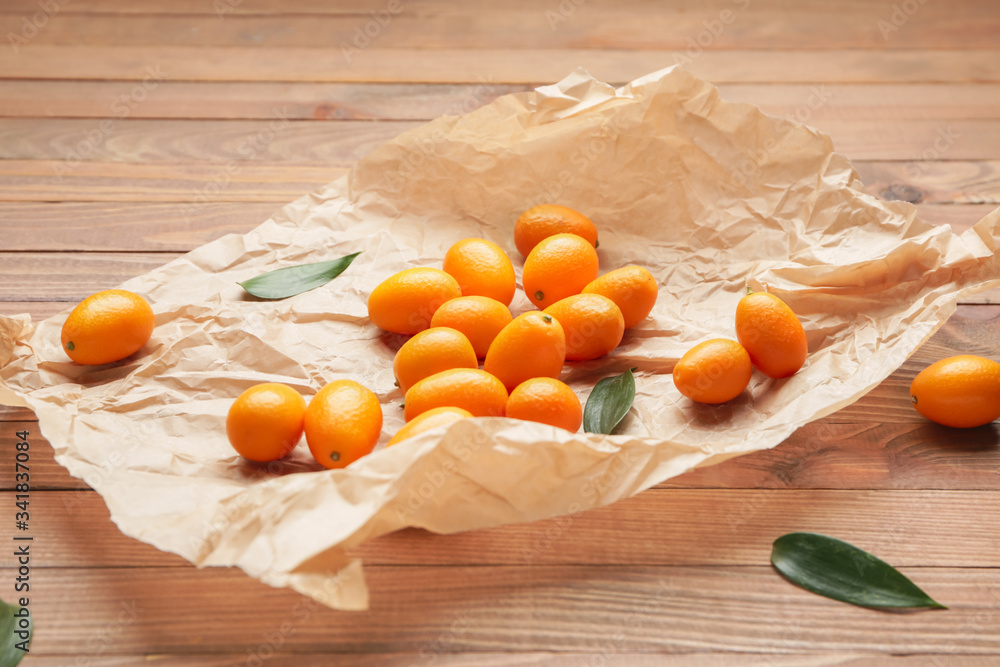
(45, 180)
(299, 101)
(344, 142)
(887, 101)
(723, 527)
(586, 609)
(29, 276)
(838, 453)
(916, 141)
(662, 27)
(960, 217)
(947, 182)
(79, 7)
(720, 527)
(158, 227)
(337, 144)
(532, 659)
(430, 7)
(498, 65)
(402, 101)
(933, 182)
(126, 226)
(38, 310)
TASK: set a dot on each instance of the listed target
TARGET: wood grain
(956, 182)
(37, 310)
(656, 27)
(721, 527)
(137, 226)
(336, 144)
(959, 218)
(408, 101)
(935, 182)
(588, 609)
(298, 101)
(534, 659)
(29, 275)
(166, 227)
(47, 180)
(340, 144)
(430, 7)
(497, 65)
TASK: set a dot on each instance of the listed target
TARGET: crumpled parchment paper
(710, 196)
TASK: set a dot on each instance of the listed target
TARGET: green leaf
(608, 403)
(15, 631)
(292, 280)
(841, 571)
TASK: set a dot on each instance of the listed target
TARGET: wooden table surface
(115, 115)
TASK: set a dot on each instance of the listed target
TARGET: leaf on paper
(608, 403)
(292, 280)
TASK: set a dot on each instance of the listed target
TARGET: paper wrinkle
(710, 196)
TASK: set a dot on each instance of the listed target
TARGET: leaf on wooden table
(841, 571)
(292, 280)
